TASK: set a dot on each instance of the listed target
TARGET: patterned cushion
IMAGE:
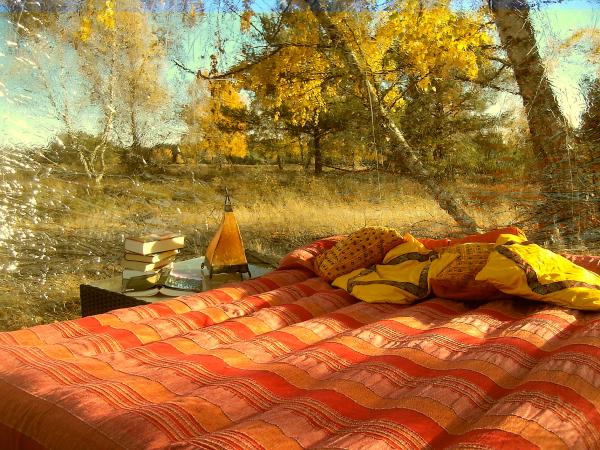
(452, 275)
(402, 278)
(519, 267)
(361, 249)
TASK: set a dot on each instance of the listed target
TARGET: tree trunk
(142, 157)
(409, 157)
(109, 112)
(547, 124)
(279, 160)
(301, 154)
(308, 160)
(64, 114)
(318, 154)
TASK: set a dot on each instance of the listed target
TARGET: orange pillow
(488, 237)
(361, 249)
(304, 257)
(453, 274)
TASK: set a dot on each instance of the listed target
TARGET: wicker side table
(96, 300)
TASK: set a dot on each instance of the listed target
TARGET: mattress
(288, 361)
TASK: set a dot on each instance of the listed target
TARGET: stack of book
(150, 253)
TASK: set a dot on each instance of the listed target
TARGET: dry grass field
(65, 230)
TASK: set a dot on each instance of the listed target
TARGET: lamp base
(237, 268)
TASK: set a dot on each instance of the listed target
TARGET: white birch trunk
(408, 155)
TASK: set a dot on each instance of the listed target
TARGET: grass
(60, 230)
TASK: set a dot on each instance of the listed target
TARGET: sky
(26, 117)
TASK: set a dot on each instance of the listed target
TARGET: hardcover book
(129, 273)
(154, 243)
(164, 282)
(146, 267)
(152, 258)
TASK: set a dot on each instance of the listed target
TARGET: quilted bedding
(287, 361)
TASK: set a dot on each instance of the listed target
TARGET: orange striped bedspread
(287, 361)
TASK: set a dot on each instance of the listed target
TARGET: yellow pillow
(401, 279)
(519, 267)
(363, 248)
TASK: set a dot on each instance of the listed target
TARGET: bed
(288, 361)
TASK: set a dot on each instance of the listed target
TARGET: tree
(122, 58)
(48, 38)
(305, 68)
(450, 128)
(588, 156)
(331, 120)
(362, 70)
(589, 39)
(297, 82)
(547, 125)
(120, 64)
(589, 130)
(270, 141)
(216, 119)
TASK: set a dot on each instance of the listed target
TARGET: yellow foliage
(408, 41)
(424, 43)
(295, 147)
(85, 29)
(212, 129)
(162, 155)
(107, 15)
(393, 98)
(293, 80)
(104, 17)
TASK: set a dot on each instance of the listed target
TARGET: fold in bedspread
(287, 361)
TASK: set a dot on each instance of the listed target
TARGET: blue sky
(26, 118)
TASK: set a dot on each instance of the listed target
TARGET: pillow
(452, 275)
(401, 279)
(361, 249)
(489, 237)
(303, 257)
(519, 267)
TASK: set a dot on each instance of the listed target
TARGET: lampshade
(226, 253)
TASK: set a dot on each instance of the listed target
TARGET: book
(129, 273)
(154, 243)
(162, 290)
(151, 258)
(164, 282)
(146, 267)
